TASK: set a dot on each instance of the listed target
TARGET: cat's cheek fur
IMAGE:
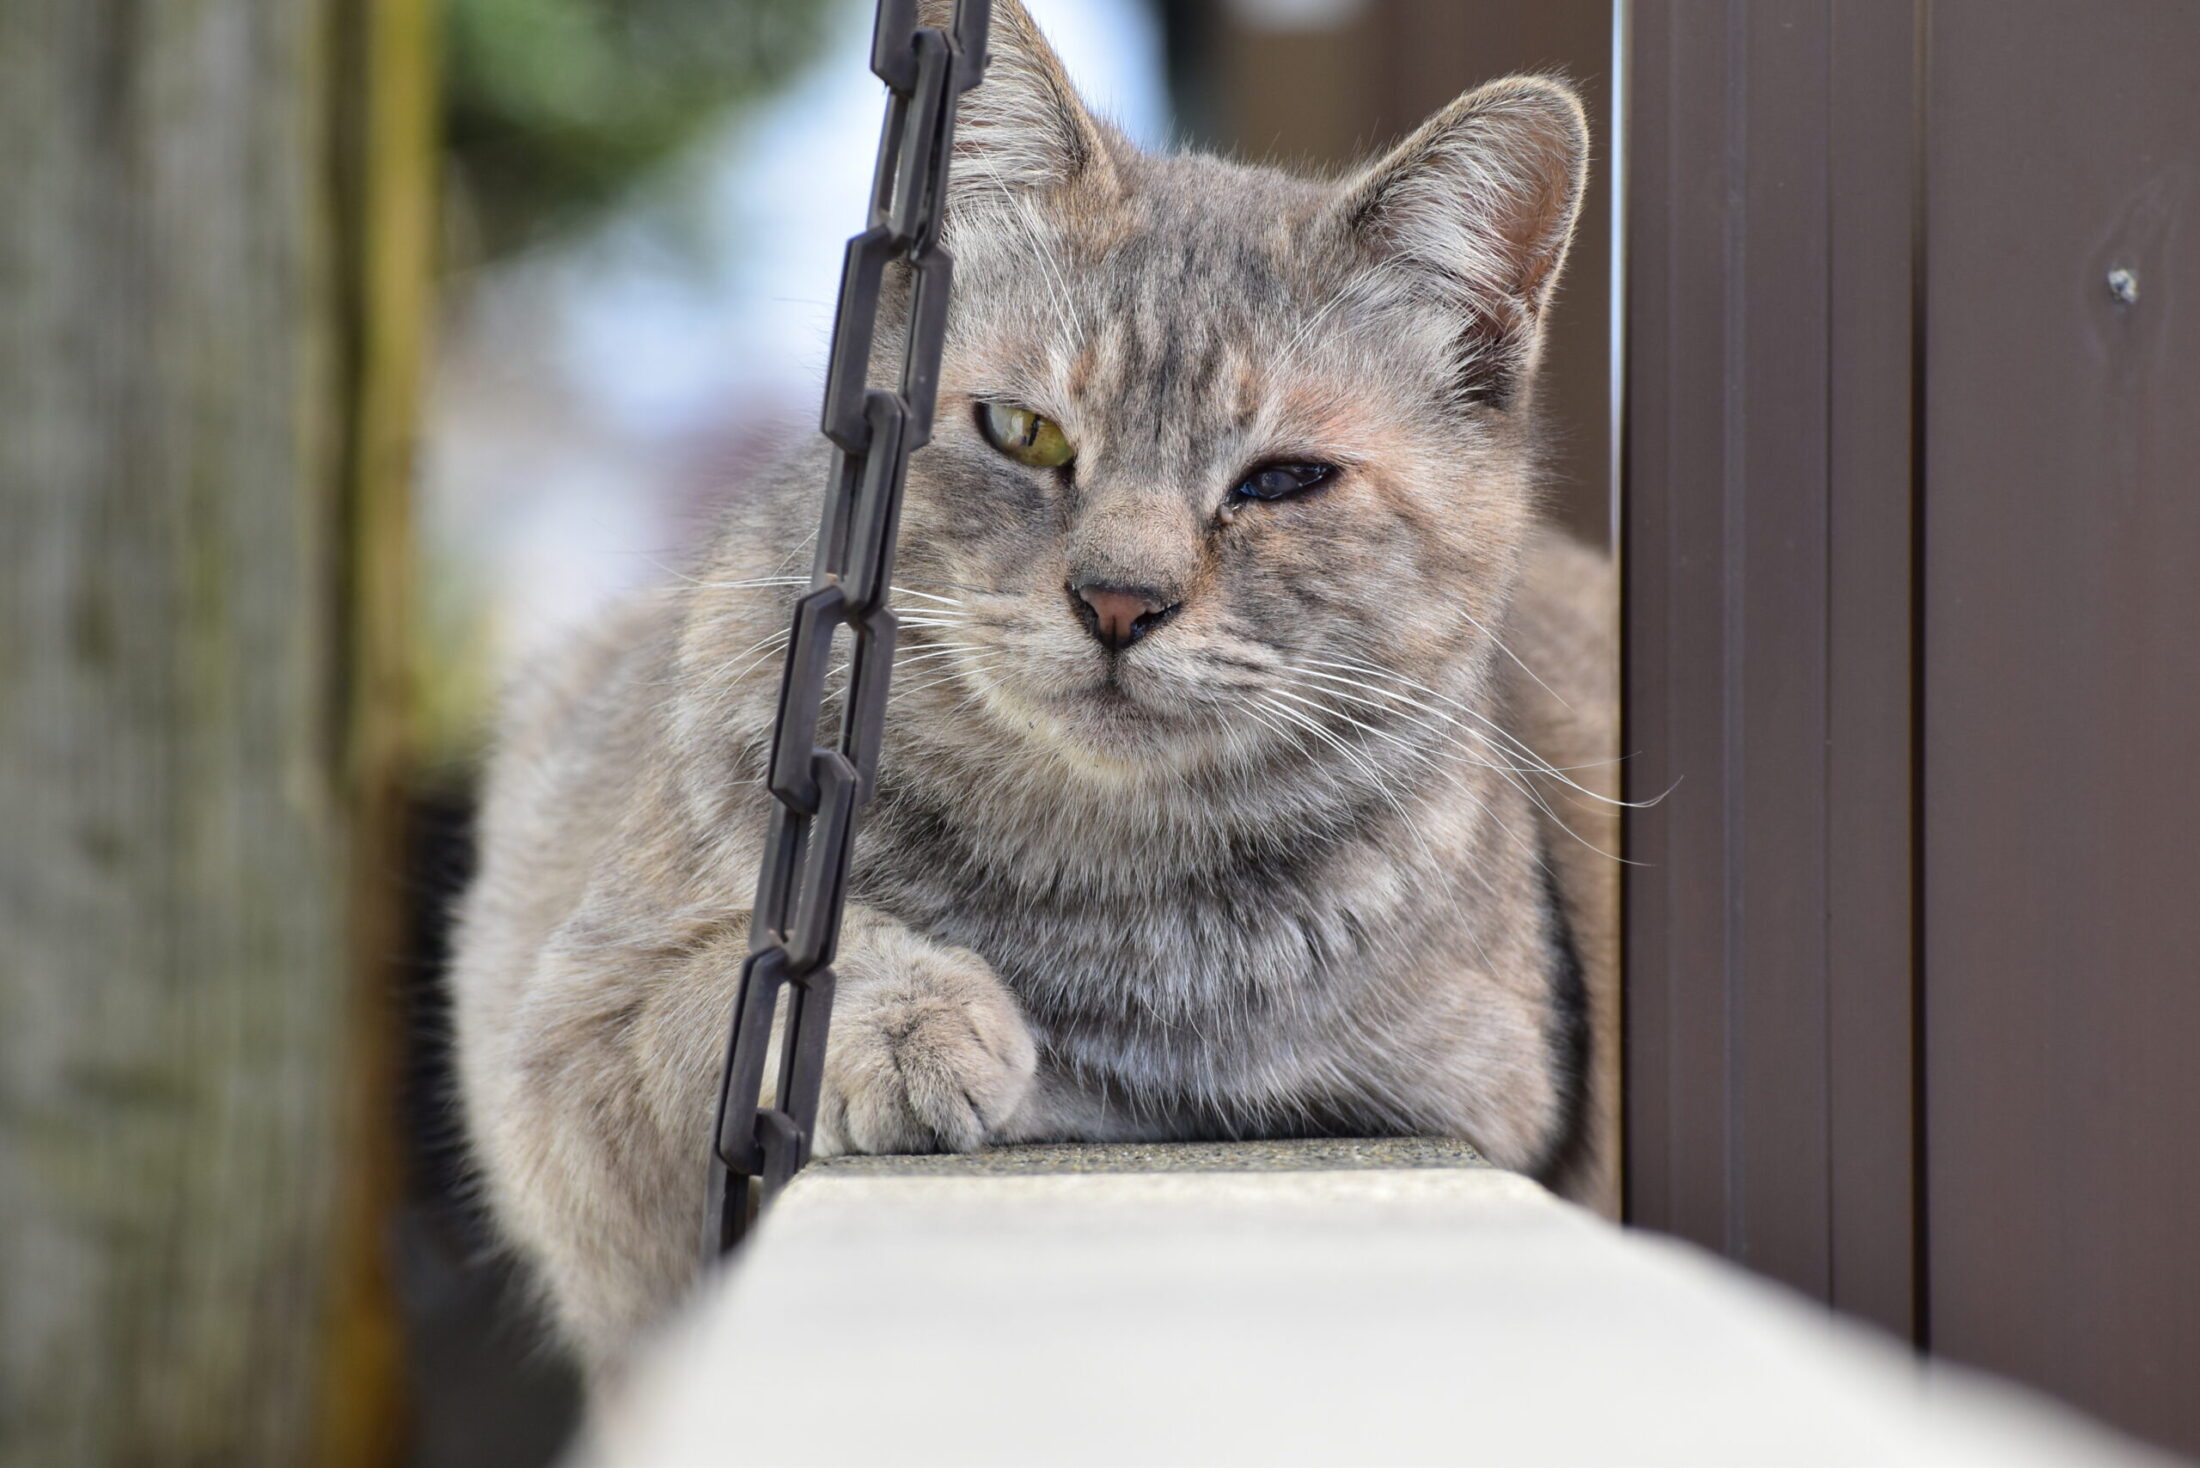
(929, 1052)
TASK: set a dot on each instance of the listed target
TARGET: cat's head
(1211, 437)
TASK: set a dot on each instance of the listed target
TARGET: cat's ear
(1023, 129)
(1474, 212)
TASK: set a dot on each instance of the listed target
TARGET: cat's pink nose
(1119, 615)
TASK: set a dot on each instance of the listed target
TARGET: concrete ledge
(1320, 1155)
(1350, 1303)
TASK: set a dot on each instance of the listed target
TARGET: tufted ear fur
(1474, 213)
(1023, 129)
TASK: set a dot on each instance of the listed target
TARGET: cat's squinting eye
(1281, 481)
(1024, 436)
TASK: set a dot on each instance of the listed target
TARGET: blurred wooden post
(212, 281)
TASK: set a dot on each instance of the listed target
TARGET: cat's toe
(928, 1062)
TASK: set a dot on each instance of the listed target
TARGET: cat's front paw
(928, 1051)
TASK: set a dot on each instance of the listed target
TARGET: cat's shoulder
(588, 676)
(1565, 623)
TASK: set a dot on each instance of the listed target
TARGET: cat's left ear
(1474, 212)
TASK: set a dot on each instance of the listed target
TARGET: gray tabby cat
(1218, 801)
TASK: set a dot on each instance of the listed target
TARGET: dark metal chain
(817, 792)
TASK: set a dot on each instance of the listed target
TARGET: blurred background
(352, 350)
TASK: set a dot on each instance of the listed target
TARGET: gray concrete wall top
(1329, 1302)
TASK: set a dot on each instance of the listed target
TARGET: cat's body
(1269, 857)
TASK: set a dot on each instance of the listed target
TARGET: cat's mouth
(1114, 715)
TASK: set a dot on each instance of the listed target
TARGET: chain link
(817, 792)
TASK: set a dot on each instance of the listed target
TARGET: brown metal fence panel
(1912, 523)
(1768, 564)
(2061, 747)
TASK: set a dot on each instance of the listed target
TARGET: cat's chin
(1111, 718)
(1103, 727)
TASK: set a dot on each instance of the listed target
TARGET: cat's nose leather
(1119, 615)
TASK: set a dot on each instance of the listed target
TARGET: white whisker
(1376, 778)
(1516, 778)
(1517, 769)
(1508, 652)
(928, 596)
(1513, 744)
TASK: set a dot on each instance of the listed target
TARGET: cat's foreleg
(594, 1147)
(929, 1051)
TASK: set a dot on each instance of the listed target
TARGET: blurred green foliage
(553, 107)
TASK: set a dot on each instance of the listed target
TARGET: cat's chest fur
(1210, 982)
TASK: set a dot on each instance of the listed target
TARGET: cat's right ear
(1023, 130)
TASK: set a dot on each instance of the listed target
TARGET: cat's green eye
(1024, 436)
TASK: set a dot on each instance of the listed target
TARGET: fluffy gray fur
(1318, 855)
